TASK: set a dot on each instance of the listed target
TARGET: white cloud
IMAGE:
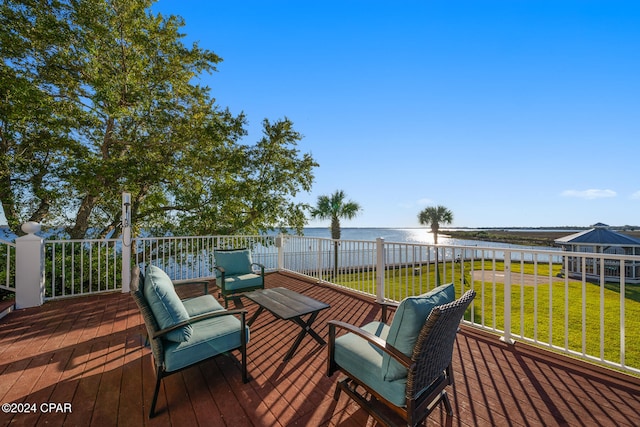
(424, 202)
(635, 196)
(590, 194)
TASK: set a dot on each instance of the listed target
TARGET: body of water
(409, 235)
(390, 235)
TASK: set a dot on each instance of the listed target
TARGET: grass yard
(553, 311)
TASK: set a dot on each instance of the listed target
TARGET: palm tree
(434, 216)
(335, 207)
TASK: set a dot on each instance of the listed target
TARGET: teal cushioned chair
(182, 333)
(406, 366)
(235, 273)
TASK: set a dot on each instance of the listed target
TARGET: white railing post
(29, 267)
(507, 299)
(280, 246)
(319, 264)
(380, 269)
(126, 241)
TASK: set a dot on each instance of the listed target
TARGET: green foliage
(7, 271)
(76, 268)
(99, 97)
(335, 207)
(434, 216)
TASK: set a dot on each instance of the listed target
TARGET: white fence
(7, 266)
(193, 257)
(81, 267)
(522, 294)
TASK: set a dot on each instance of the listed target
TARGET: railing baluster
(395, 270)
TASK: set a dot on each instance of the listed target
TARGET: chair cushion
(241, 282)
(234, 262)
(210, 337)
(407, 323)
(201, 305)
(364, 361)
(165, 303)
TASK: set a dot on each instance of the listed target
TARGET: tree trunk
(79, 229)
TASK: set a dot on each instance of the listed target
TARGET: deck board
(89, 351)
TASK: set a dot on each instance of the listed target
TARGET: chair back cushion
(234, 262)
(165, 303)
(407, 322)
(137, 282)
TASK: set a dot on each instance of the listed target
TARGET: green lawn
(575, 311)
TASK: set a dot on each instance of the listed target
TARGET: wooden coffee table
(286, 304)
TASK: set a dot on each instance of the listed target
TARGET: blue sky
(509, 113)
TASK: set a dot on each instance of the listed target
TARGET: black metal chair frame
(233, 294)
(155, 335)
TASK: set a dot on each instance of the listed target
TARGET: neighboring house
(601, 239)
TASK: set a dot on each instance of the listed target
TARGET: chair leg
(447, 403)
(155, 394)
(245, 377)
(336, 393)
(243, 347)
(369, 405)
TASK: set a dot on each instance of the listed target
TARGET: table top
(285, 303)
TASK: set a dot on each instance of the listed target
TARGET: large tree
(335, 207)
(102, 96)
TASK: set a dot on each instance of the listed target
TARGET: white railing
(193, 257)
(82, 267)
(524, 294)
(7, 266)
(315, 258)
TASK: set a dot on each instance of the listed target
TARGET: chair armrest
(204, 283)
(200, 318)
(386, 305)
(260, 266)
(220, 282)
(403, 359)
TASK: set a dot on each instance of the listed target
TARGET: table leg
(306, 328)
(255, 316)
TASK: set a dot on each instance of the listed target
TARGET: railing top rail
(217, 236)
(328, 239)
(46, 241)
(556, 252)
(4, 242)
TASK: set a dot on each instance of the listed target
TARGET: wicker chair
(405, 396)
(204, 331)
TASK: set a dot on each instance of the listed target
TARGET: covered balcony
(80, 358)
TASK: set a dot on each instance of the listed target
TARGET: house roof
(599, 236)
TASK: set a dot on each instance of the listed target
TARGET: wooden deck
(89, 352)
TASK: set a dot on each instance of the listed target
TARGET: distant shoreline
(531, 237)
(525, 236)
